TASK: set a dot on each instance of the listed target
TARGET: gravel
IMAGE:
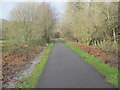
(23, 73)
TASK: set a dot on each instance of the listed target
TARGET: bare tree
(31, 22)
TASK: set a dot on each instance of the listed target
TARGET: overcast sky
(6, 7)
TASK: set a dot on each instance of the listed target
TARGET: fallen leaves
(98, 52)
(13, 62)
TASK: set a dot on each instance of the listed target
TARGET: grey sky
(6, 7)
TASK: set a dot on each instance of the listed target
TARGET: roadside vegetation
(29, 23)
(110, 73)
(31, 80)
(93, 24)
(28, 29)
(92, 28)
(31, 26)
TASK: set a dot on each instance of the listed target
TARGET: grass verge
(110, 73)
(31, 81)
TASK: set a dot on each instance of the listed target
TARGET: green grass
(110, 73)
(3, 48)
(31, 81)
(2, 41)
